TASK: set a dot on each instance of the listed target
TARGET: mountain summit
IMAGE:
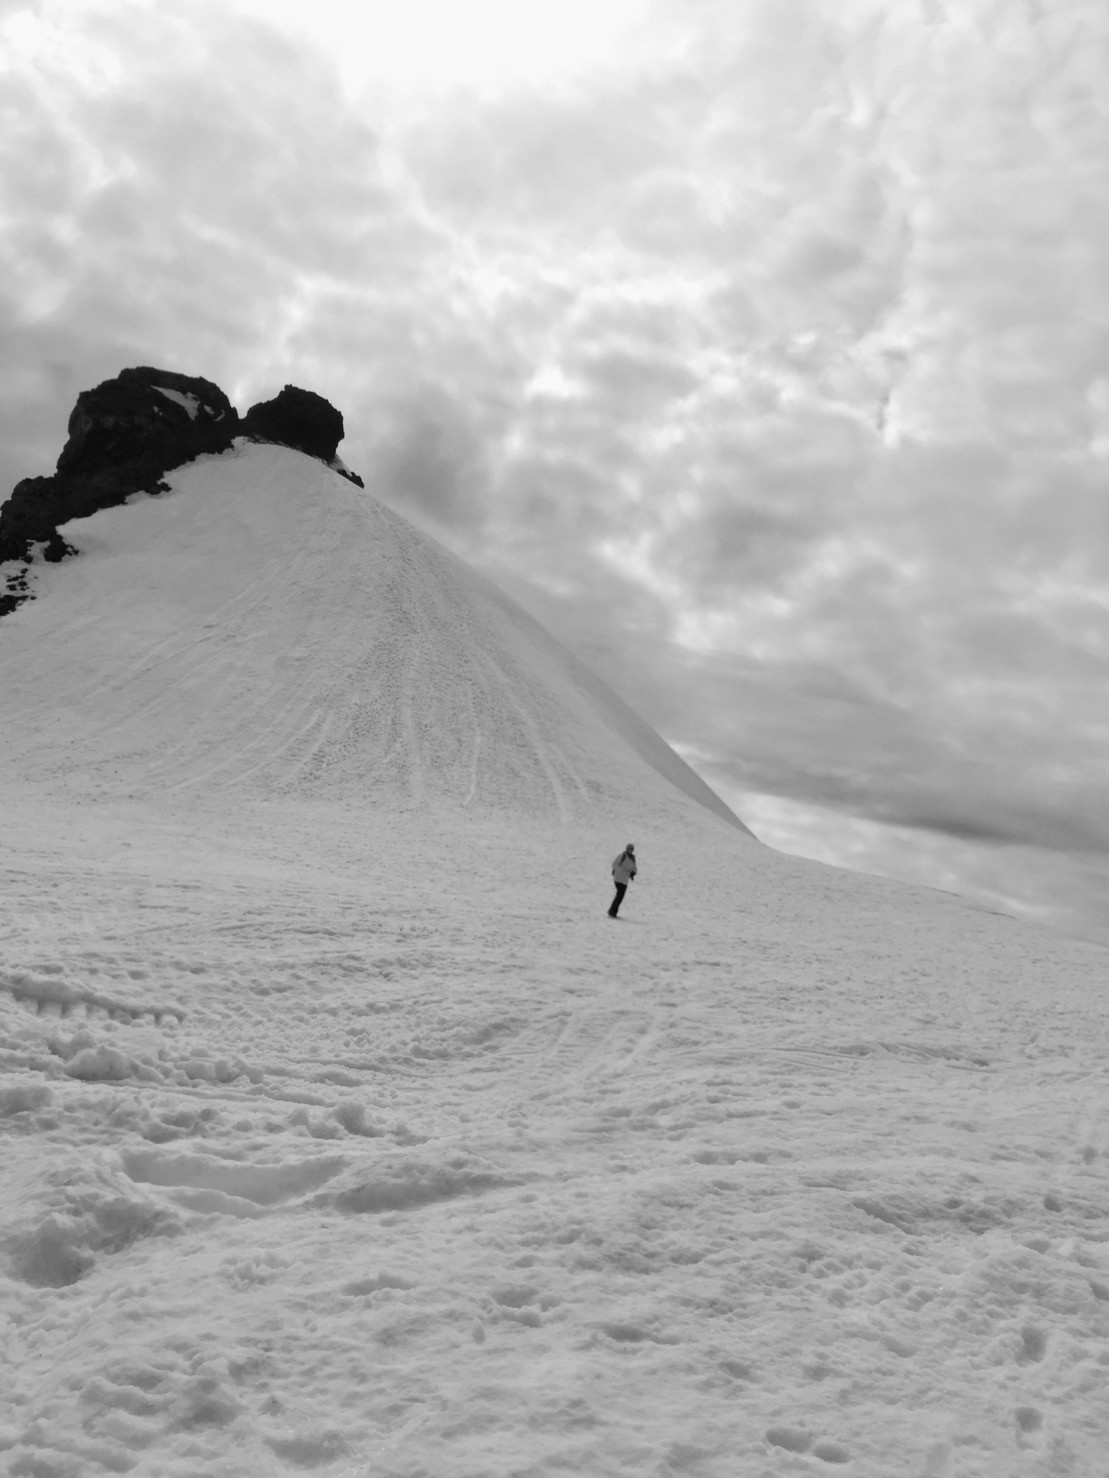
(265, 628)
(125, 434)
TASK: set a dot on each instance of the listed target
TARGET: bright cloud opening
(439, 43)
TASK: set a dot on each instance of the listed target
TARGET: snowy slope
(340, 1131)
(266, 627)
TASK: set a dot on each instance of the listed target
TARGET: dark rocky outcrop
(126, 434)
(297, 418)
(146, 415)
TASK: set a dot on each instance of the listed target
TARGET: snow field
(375, 1169)
(340, 1130)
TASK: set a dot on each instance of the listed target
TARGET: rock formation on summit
(126, 434)
(297, 418)
(144, 415)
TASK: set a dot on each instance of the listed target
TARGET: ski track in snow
(342, 1132)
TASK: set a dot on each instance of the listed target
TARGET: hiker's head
(630, 847)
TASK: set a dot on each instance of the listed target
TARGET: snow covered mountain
(268, 628)
(341, 1132)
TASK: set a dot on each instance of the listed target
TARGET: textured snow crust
(341, 1132)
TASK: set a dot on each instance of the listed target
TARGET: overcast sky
(760, 346)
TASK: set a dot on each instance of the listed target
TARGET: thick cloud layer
(767, 354)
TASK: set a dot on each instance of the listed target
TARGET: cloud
(165, 206)
(433, 460)
(769, 367)
(1060, 889)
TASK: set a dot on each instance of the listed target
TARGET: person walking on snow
(623, 870)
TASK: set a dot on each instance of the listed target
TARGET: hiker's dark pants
(621, 889)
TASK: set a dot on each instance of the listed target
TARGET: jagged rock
(297, 418)
(124, 435)
(338, 465)
(147, 412)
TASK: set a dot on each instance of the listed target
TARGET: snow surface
(341, 1131)
(189, 403)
